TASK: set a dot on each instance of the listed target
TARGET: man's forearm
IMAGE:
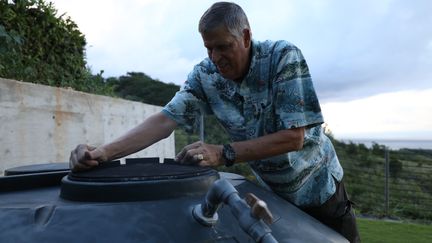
(153, 129)
(269, 145)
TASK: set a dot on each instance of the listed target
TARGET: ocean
(393, 144)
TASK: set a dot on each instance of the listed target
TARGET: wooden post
(202, 127)
(386, 185)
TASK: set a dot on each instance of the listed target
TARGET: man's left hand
(201, 154)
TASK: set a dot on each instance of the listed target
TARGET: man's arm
(153, 129)
(269, 145)
(259, 148)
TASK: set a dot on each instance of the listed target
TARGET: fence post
(202, 127)
(386, 185)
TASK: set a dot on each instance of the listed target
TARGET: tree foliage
(139, 86)
(38, 46)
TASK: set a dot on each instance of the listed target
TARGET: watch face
(229, 154)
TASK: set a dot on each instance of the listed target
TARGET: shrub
(38, 46)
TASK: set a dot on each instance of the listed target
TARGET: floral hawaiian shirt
(276, 94)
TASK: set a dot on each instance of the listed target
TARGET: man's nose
(215, 56)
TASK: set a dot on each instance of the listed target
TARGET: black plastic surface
(139, 170)
(137, 180)
(39, 168)
(40, 215)
(31, 181)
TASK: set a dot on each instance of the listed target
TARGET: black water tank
(142, 201)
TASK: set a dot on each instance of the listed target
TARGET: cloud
(394, 115)
(370, 60)
(158, 38)
(354, 48)
(362, 48)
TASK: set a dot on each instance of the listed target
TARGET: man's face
(229, 53)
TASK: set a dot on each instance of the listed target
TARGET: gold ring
(198, 157)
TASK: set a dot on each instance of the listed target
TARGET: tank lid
(137, 180)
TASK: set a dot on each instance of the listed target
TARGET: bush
(39, 47)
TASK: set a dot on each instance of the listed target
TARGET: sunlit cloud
(398, 115)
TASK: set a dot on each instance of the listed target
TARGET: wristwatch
(228, 154)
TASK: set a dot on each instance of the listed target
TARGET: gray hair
(229, 14)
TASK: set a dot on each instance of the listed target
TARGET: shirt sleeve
(295, 100)
(187, 105)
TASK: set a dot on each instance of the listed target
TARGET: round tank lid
(137, 180)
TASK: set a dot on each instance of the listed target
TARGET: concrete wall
(42, 124)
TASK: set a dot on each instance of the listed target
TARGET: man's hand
(201, 154)
(85, 157)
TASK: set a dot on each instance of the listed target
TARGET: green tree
(378, 149)
(139, 86)
(40, 47)
(352, 148)
(396, 167)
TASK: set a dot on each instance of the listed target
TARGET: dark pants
(337, 213)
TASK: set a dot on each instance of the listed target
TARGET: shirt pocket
(261, 111)
(256, 107)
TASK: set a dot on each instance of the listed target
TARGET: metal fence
(395, 188)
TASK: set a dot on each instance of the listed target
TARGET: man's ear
(247, 37)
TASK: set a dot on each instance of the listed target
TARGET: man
(262, 93)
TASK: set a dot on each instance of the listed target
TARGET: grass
(394, 232)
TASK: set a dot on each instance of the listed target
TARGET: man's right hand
(85, 157)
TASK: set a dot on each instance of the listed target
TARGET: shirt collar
(254, 45)
(252, 65)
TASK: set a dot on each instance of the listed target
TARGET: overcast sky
(370, 60)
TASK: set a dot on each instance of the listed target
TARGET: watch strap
(228, 154)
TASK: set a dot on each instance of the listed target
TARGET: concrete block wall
(42, 124)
